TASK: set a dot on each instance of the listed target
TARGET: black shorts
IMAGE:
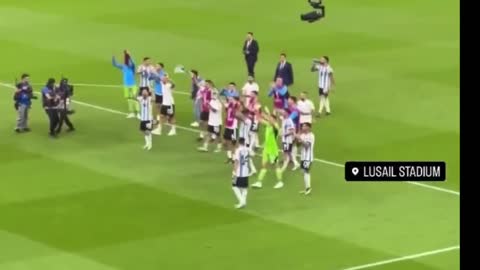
(240, 182)
(146, 125)
(214, 130)
(305, 165)
(158, 99)
(254, 127)
(322, 92)
(204, 116)
(168, 110)
(230, 134)
(287, 147)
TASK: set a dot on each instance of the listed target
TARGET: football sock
(285, 164)
(327, 105)
(219, 146)
(306, 179)
(244, 193)
(146, 140)
(279, 174)
(229, 154)
(262, 174)
(131, 105)
(322, 103)
(238, 194)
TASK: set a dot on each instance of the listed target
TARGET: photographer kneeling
(50, 103)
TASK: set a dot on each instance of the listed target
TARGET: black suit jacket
(286, 73)
(252, 50)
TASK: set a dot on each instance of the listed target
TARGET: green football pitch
(95, 200)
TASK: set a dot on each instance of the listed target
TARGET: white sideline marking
(404, 258)
(331, 163)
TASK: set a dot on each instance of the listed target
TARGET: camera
(316, 14)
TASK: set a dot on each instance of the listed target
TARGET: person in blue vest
(23, 100)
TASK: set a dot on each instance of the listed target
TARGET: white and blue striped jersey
(242, 156)
(324, 72)
(145, 108)
(244, 130)
(287, 127)
(308, 141)
(145, 74)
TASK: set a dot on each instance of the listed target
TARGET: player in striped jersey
(145, 71)
(146, 119)
(167, 110)
(288, 138)
(325, 82)
(214, 123)
(254, 107)
(241, 172)
(307, 140)
(244, 131)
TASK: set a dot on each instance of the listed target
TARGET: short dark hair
(250, 33)
(25, 75)
(294, 98)
(209, 82)
(194, 71)
(241, 141)
(232, 83)
(146, 58)
(307, 124)
(326, 58)
(161, 64)
(284, 55)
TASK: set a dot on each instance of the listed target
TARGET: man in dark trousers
(63, 92)
(250, 50)
(50, 102)
(284, 70)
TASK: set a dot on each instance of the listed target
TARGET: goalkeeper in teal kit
(130, 87)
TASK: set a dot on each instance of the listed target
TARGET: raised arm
(115, 64)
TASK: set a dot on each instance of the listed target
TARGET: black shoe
(26, 130)
(199, 139)
(53, 135)
(329, 113)
(17, 130)
(72, 129)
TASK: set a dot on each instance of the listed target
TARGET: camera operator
(63, 92)
(50, 103)
(23, 100)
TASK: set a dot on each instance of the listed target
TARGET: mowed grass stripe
(453, 192)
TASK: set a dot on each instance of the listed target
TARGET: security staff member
(63, 94)
(50, 103)
(23, 99)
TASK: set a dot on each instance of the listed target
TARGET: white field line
(404, 258)
(331, 163)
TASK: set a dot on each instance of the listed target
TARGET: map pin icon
(355, 171)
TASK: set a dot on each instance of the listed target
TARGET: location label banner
(395, 171)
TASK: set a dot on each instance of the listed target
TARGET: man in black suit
(250, 50)
(284, 70)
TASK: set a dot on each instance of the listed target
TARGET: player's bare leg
(158, 129)
(293, 156)
(148, 140)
